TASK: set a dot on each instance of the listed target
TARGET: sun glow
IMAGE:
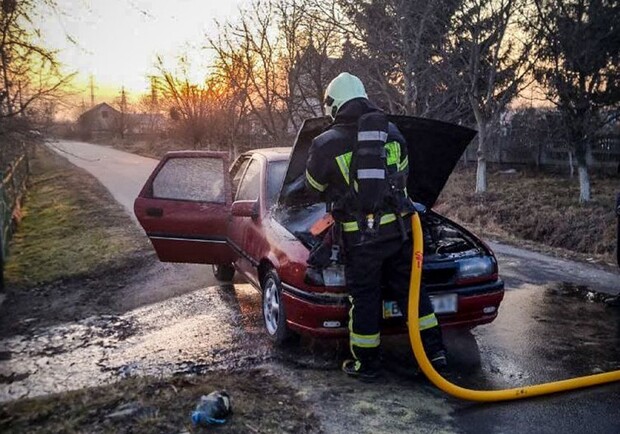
(117, 41)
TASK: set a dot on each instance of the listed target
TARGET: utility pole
(123, 100)
(123, 107)
(92, 90)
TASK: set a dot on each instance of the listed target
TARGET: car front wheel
(224, 273)
(274, 314)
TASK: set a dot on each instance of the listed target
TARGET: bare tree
(398, 54)
(253, 45)
(283, 58)
(491, 60)
(30, 73)
(580, 58)
(188, 104)
(210, 113)
(314, 50)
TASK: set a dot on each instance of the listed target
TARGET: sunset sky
(117, 40)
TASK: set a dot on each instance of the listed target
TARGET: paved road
(549, 327)
(122, 173)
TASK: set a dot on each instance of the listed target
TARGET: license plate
(334, 276)
(445, 303)
(391, 310)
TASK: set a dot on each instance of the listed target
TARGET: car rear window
(194, 179)
(275, 177)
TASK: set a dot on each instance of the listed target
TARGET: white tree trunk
(481, 172)
(584, 184)
(481, 176)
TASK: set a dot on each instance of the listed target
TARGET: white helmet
(341, 89)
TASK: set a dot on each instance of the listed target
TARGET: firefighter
(377, 248)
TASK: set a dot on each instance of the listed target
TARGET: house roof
(99, 107)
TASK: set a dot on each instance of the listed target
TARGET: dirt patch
(261, 403)
(539, 211)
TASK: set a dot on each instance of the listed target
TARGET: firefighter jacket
(329, 159)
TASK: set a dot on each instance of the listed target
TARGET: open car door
(184, 208)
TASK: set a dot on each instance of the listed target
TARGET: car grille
(439, 275)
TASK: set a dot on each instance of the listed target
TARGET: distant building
(102, 118)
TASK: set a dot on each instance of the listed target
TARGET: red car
(255, 218)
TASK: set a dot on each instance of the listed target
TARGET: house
(102, 118)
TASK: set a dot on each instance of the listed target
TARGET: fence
(14, 179)
(603, 156)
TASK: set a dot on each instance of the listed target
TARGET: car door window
(236, 171)
(275, 177)
(193, 179)
(250, 184)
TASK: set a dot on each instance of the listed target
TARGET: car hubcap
(271, 306)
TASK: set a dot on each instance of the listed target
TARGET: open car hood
(434, 149)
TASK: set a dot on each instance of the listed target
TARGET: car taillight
(474, 270)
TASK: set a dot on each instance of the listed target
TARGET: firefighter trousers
(369, 267)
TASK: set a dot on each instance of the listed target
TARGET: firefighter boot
(433, 344)
(366, 371)
(365, 365)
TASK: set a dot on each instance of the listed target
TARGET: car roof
(272, 154)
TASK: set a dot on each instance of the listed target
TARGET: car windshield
(275, 177)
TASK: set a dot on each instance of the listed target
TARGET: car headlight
(478, 269)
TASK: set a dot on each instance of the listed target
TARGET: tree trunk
(481, 176)
(581, 154)
(584, 184)
(481, 172)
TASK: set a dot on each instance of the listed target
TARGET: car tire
(274, 313)
(224, 272)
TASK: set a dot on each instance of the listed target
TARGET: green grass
(536, 207)
(71, 226)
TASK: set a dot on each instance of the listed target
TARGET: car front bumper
(327, 314)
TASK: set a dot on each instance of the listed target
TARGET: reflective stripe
(351, 327)
(393, 153)
(403, 164)
(365, 341)
(344, 161)
(353, 226)
(368, 136)
(371, 174)
(314, 183)
(428, 322)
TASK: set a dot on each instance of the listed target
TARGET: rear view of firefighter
(359, 166)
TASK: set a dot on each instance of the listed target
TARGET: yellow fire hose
(461, 392)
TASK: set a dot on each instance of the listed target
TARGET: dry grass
(536, 208)
(72, 226)
(260, 404)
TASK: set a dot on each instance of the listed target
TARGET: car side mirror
(245, 208)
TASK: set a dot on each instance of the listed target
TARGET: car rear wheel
(224, 273)
(274, 314)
